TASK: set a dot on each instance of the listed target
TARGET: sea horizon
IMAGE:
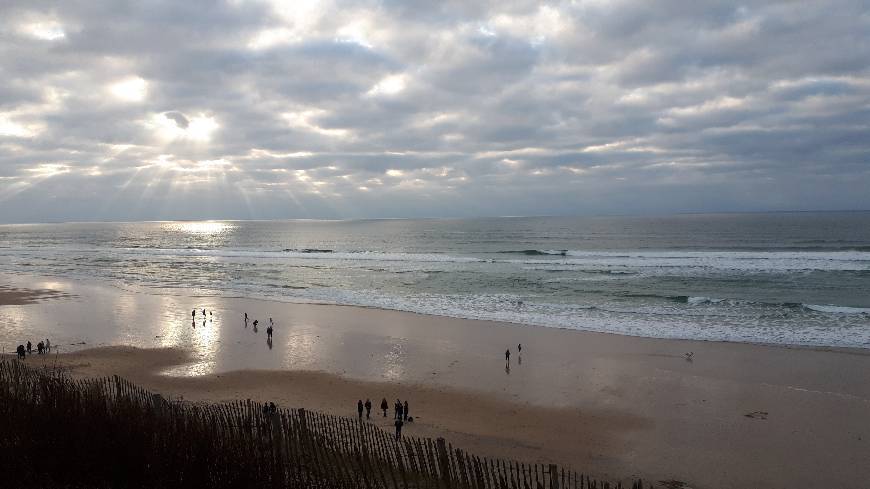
(457, 217)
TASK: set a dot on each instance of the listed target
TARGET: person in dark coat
(29, 348)
(385, 406)
(21, 352)
(399, 409)
(368, 406)
(359, 408)
(399, 425)
(405, 411)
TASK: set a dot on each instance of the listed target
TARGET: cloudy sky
(325, 109)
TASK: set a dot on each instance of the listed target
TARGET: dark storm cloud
(272, 108)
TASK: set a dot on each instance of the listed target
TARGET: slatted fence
(108, 432)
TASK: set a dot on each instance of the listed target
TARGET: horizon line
(434, 218)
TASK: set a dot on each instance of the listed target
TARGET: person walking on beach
(203, 313)
(368, 408)
(401, 410)
(193, 314)
(47, 345)
(40, 348)
(269, 332)
(22, 354)
(384, 406)
(29, 348)
(270, 322)
(507, 356)
(246, 318)
(359, 408)
(399, 425)
(520, 349)
(405, 411)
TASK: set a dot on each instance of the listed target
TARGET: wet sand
(613, 406)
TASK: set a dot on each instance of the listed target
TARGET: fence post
(554, 477)
(443, 461)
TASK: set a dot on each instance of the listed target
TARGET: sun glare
(199, 128)
(200, 227)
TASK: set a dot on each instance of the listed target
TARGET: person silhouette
(405, 411)
(385, 406)
(507, 355)
(359, 408)
(399, 425)
(368, 406)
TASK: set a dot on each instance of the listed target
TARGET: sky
(256, 109)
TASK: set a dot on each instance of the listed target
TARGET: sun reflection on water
(200, 227)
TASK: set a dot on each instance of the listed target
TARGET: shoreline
(739, 415)
(38, 295)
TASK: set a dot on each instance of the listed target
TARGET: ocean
(782, 278)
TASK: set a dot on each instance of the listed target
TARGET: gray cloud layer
(271, 109)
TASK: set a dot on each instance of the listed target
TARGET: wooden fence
(108, 432)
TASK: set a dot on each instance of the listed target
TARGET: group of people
(210, 315)
(401, 412)
(41, 347)
(269, 330)
(507, 357)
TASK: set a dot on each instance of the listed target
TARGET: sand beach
(619, 407)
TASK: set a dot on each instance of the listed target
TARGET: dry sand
(613, 406)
